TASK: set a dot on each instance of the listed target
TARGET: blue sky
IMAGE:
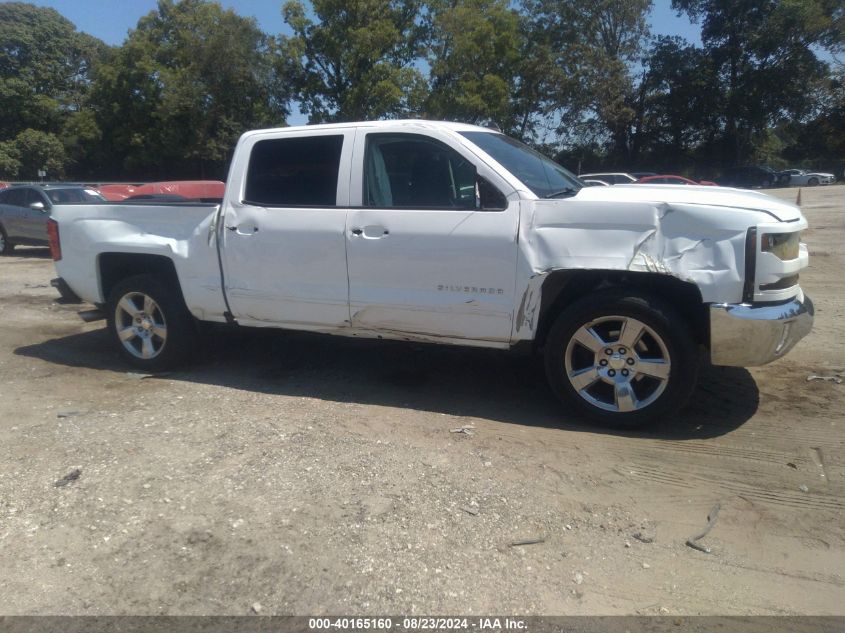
(110, 21)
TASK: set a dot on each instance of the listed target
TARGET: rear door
(7, 219)
(424, 257)
(13, 202)
(283, 247)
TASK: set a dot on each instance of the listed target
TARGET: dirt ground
(300, 474)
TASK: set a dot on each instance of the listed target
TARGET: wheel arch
(112, 268)
(561, 287)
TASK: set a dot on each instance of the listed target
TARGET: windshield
(541, 175)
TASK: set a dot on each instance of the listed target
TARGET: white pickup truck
(451, 233)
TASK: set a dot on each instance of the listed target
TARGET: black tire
(765, 184)
(813, 182)
(169, 311)
(6, 247)
(666, 335)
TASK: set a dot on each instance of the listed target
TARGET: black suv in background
(751, 177)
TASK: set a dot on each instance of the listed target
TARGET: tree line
(584, 81)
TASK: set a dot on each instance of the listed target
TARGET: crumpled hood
(689, 194)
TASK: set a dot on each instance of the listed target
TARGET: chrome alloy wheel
(140, 325)
(617, 363)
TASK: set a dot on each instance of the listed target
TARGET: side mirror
(37, 206)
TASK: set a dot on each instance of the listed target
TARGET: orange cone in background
(798, 199)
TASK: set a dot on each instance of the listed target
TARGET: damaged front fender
(696, 244)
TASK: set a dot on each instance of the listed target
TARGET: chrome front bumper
(746, 335)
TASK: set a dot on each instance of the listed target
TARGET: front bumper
(746, 335)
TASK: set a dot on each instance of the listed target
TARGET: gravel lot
(300, 474)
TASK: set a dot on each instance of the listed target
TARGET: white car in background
(801, 177)
(611, 178)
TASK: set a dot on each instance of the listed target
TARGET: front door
(283, 247)
(431, 245)
(34, 221)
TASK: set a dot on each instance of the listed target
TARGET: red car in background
(116, 193)
(187, 189)
(667, 179)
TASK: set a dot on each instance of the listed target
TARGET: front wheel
(622, 359)
(150, 323)
(813, 182)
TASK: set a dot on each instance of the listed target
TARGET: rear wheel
(150, 323)
(6, 246)
(622, 359)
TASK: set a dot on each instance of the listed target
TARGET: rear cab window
(297, 171)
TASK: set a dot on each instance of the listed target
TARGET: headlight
(784, 246)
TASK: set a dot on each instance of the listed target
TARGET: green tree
(356, 61)
(83, 141)
(10, 163)
(765, 57)
(39, 150)
(614, 33)
(45, 66)
(593, 48)
(820, 142)
(478, 55)
(678, 105)
(186, 83)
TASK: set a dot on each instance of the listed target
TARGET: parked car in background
(24, 210)
(590, 182)
(613, 178)
(202, 190)
(116, 192)
(751, 177)
(802, 177)
(666, 179)
(196, 190)
(157, 197)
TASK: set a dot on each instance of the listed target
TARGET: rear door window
(16, 197)
(294, 172)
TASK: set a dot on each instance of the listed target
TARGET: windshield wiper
(569, 191)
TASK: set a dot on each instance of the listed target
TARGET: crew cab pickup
(451, 233)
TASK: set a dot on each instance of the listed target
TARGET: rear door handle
(237, 229)
(372, 232)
